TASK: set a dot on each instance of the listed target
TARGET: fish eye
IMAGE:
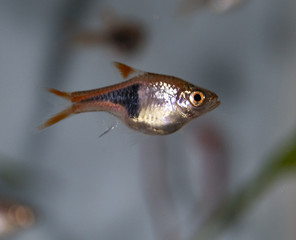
(196, 98)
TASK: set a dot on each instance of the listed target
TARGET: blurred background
(217, 178)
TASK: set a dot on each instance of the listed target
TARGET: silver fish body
(151, 103)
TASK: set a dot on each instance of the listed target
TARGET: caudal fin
(61, 115)
(58, 117)
(59, 93)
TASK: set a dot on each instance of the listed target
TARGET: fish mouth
(218, 102)
(215, 102)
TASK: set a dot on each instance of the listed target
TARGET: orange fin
(58, 117)
(127, 71)
(65, 95)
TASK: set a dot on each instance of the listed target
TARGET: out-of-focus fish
(216, 5)
(223, 5)
(147, 102)
(125, 36)
(14, 216)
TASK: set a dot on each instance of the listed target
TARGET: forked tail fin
(61, 115)
(59, 93)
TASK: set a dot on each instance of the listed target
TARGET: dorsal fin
(127, 71)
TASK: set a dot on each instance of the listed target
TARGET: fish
(14, 216)
(125, 36)
(150, 103)
(224, 5)
(219, 6)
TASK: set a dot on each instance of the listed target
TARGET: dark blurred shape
(215, 164)
(126, 36)
(157, 190)
(213, 181)
(232, 208)
(219, 6)
(14, 216)
(59, 51)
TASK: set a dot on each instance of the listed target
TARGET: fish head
(195, 101)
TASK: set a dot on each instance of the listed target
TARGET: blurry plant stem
(230, 210)
(157, 190)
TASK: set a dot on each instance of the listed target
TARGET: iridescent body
(147, 102)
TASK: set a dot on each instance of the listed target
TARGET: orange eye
(196, 98)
